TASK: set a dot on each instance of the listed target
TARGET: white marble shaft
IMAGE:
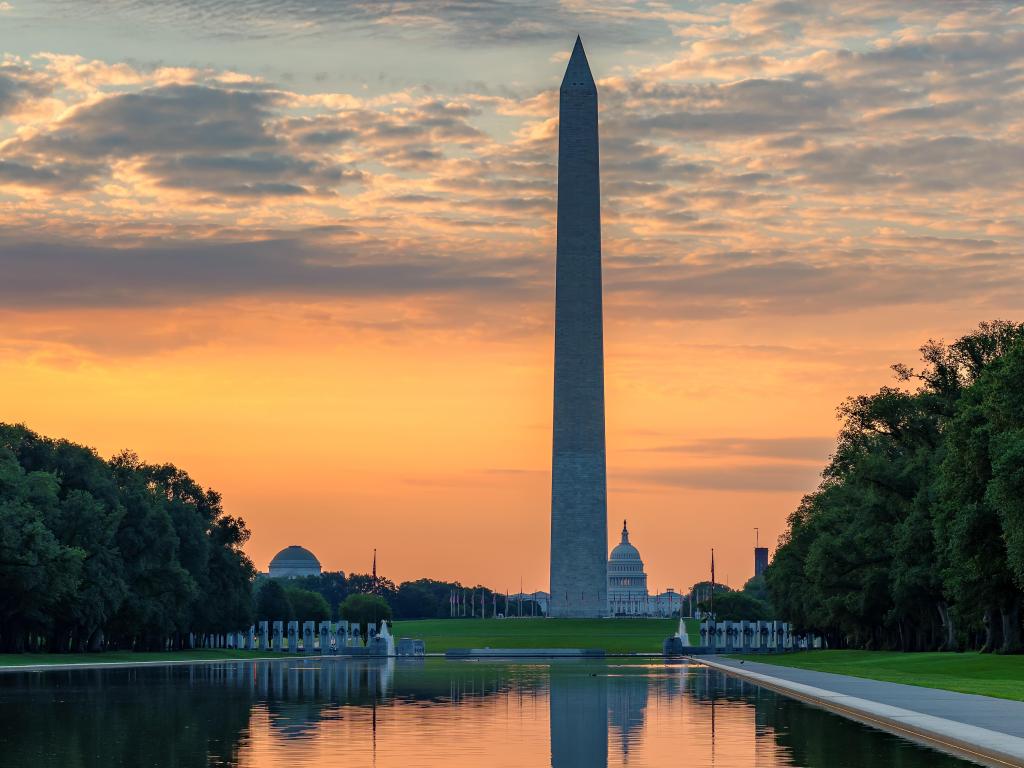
(579, 516)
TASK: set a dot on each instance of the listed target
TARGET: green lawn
(985, 674)
(108, 657)
(611, 635)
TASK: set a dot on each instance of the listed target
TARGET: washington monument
(579, 519)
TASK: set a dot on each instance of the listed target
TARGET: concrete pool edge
(155, 663)
(973, 742)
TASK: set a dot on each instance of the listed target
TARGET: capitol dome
(627, 582)
(294, 561)
(624, 551)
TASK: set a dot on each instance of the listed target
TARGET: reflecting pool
(432, 713)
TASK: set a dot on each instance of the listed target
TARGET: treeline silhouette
(116, 554)
(317, 598)
(914, 539)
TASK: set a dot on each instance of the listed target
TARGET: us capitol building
(627, 585)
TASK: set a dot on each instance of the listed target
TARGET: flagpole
(712, 583)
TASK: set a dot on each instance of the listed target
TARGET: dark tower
(579, 524)
(760, 560)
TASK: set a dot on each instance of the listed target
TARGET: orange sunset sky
(307, 253)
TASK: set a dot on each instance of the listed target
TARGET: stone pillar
(263, 640)
(293, 637)
(325, 637)
(308, 631)
(277, 636)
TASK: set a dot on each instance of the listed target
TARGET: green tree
(141, 555)
(737, 606)
(421, 599)
(307, 605)
(908, 535)
(365, 609)
(38, 573)
(1003, 401)
(272, 603)
(757, 589)
(331, 584)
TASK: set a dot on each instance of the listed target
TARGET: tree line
(914, 538)
(116, 554)
(119, 554)
(321, 597)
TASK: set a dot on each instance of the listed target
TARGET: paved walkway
(977, 725)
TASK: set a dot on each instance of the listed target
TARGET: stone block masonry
(579, 516)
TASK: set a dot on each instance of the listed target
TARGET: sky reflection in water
(427, 713)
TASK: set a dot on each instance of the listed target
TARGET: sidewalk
(979, 727)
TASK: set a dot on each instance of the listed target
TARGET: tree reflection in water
(426, 712)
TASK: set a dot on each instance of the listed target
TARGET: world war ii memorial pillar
(579, 518)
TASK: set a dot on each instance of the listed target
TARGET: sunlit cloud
(795, 195)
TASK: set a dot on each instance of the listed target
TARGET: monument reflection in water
(331, 713)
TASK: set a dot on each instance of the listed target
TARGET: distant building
(627, 585)
(524, 599)
(667, 603)
(760, 560)
(627, 581)
(293, 562)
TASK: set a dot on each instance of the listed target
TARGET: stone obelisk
(579, 520)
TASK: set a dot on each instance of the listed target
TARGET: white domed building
(293, 562)
(627, 582)
(627, 585)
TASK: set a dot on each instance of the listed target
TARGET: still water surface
(431, 713)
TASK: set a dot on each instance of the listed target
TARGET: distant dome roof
(295, 557)
(624, 550)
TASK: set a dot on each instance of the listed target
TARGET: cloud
(231, 142)
(793, 286)
(803, 449)
(48, 275)
(19, 83)
(476, 22)
(213, 139)
(761, 478)
(785, 159)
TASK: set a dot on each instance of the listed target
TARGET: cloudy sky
(305, 250)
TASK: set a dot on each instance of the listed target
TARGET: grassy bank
(611, 635)
(984, 674)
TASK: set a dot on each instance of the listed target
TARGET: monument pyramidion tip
(578, 78)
